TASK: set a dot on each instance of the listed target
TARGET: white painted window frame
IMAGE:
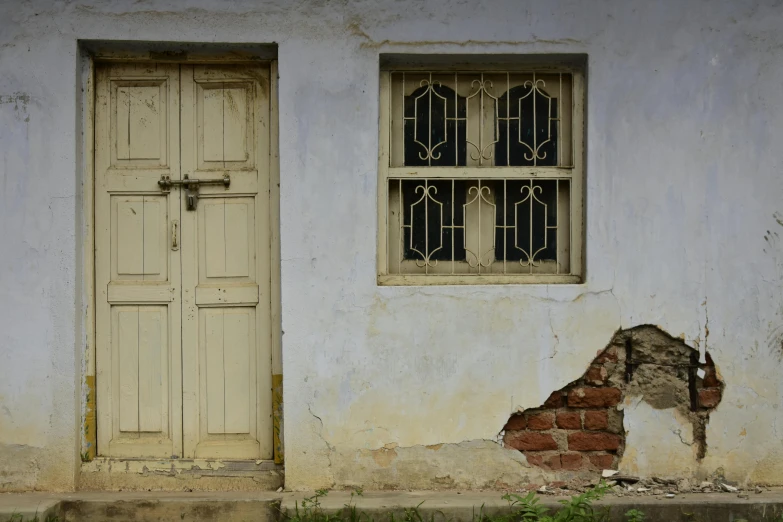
(574, 174)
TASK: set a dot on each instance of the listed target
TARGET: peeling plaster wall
(683, 212)
(581, 429)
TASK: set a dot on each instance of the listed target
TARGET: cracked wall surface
(683, 220)
(579, 428)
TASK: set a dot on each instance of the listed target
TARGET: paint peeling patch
(385, 455)
(174, 467)
(148, 466)
(580, 427)
(191, 474)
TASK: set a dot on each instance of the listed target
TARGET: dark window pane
(536, 128)
(427, 217)
(434, 127)
(527, 202)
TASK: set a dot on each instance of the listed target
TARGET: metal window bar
(540, 251)
(559, 115)
(557, 217)
(402, 119)
(533, 90)
(508, 119)
(480, 87)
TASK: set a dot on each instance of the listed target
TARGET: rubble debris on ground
(627, 485)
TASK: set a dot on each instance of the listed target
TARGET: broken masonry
(579, 427)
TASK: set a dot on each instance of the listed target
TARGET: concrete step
(143, 507)
(432, 506)
(469, 506)
(28, 506)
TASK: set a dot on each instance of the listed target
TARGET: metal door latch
(175, 234)
(191, 186)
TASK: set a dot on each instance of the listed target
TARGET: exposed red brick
(552, 462)
(569, 420)
(596, 420)
(579, 427)
(594, 397)
(709, 397)
(536, 460)
(554, 401)
(529, 441)
(583, 441)
(571, 460)
(710, 378)
(540, 421)
(601, 461)
(515, 422)
(596, 375)
(557, 484)
(610, 355)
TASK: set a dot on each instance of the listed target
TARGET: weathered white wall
(684, 224)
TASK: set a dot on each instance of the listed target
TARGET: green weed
(527, 508)
(634, 515)
(17, 517)
(310, 510)
(578, 508)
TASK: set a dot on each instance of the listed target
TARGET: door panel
(226, 245)
(138, 312)
(227, 228)
(225, 113)
(229, 355)
(183, 324)
(139, 237)
(140, 118)
(141, 344)
(126, 344)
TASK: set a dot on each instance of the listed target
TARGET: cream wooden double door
(183, 358)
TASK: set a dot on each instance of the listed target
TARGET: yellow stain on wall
(90, 433)
(277, 417)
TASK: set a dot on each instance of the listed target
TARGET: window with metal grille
(481, 175)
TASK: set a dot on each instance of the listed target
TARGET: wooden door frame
(91, 53)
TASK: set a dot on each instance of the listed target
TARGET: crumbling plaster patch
(477, 464)
(582, 428)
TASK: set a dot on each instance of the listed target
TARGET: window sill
(489, 279)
